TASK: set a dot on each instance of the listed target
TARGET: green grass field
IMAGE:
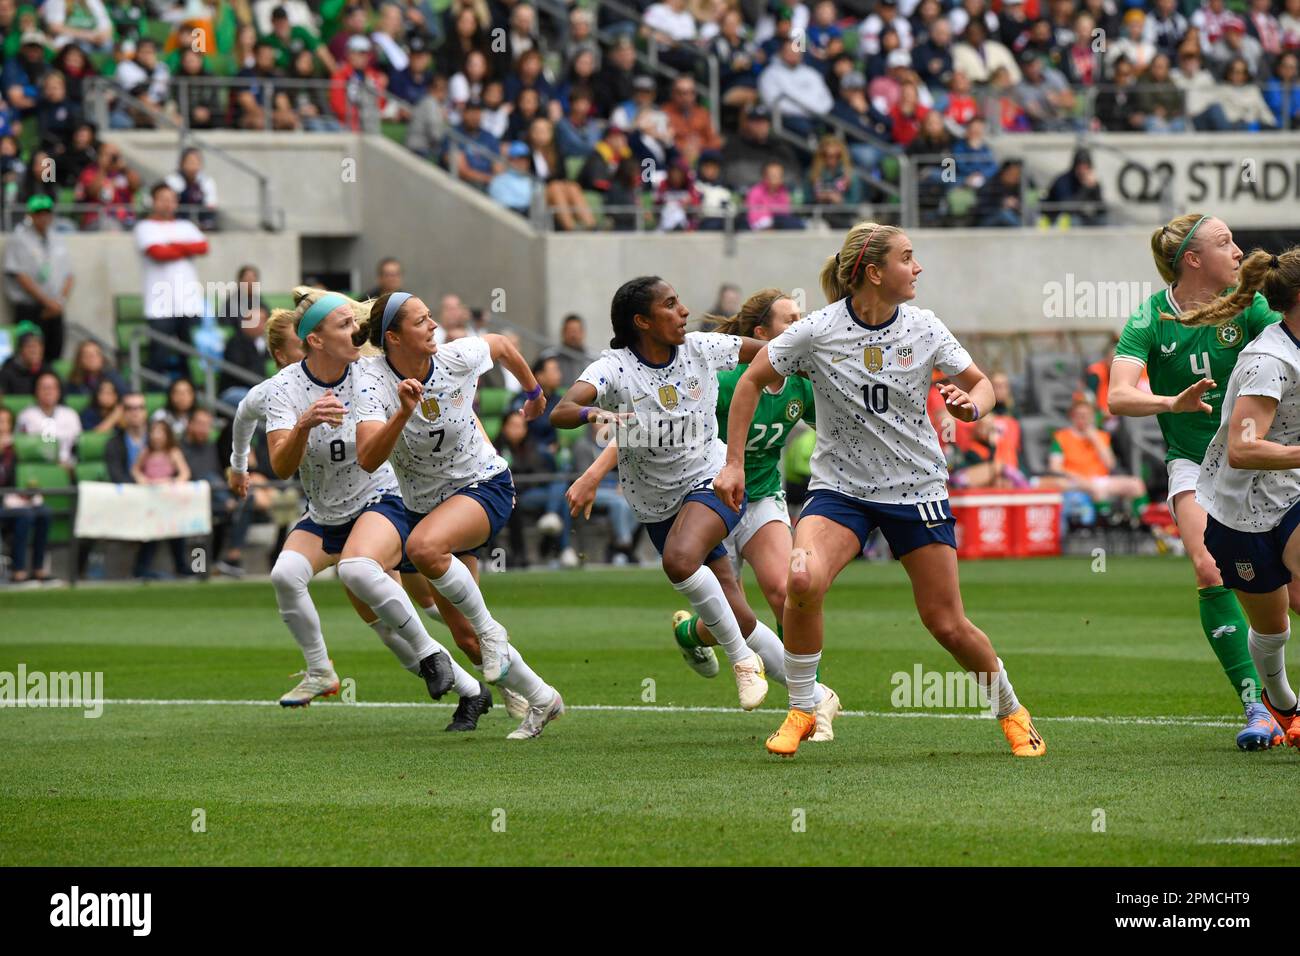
(639, 783)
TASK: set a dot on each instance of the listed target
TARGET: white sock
(398, 645)
(459, 587)
(523, 680)
(290, 577)
(801, 679)
(710, 603)
(1268, 651)
(367, 580)
(763, 641)
(1002, 695)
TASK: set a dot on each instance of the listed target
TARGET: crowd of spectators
(565, 113)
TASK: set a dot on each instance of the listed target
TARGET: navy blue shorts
(334, 536)
(495, 494)
(658, 530)
(906, 527)
(1251, 561)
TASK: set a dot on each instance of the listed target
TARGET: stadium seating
(493, 401)
(34, 448)
(90, 446)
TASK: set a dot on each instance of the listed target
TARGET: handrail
(76, 209)
(139, 372)
(98, 89)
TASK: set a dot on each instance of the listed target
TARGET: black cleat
(470, 709)
(436, 671)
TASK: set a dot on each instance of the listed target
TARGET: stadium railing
(100, 95)
(66, 212)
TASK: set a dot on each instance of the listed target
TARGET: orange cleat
(1024, 737)
(798, 726)
(1290, 726)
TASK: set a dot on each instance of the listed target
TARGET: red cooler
(1007, 523)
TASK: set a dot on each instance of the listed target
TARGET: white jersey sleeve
(949, 355)
(337, 488)
(720, 351)
(251, 410)
(788, 352)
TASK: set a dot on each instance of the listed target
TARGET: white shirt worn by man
(441, 450)
(171, 288)
(673, 447)
(62, 426)
(875, 441)
(1245, 499)
(798, 90)
(678, 24)
(337, 488)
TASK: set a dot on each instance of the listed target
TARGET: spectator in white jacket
(795, 90)
(79, 21)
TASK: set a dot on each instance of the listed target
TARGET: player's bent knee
(679, 566)
(292, 572)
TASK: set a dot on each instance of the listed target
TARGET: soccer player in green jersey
(1188, 370)
(762, 537)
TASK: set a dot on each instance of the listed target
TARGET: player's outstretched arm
(376, 440)
(575, 409)
(1252, 416)
(503, 352)
(1125, 398)
(749, 348)
(729, 485)
(582, 493)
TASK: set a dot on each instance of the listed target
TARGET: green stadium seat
(157, 30)
(92, 471)
(62, 368)
(573, 166)
(126, 331)
(271, 368)
(90, 446)
(78, 403)
(394, 130)
(277, 300)
(493, 401)
(32, 474)
(34, 448)
(128, 308)
(154, 401)
(16, 403)
(491, 425)
(570, 436)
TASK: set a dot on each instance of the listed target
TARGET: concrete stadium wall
(450, 238)
(988, 280)
(107, 265)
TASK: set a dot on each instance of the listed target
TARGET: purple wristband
(585, 413)
(977, 411)
(536, 390)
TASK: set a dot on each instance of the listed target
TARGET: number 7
(438, 434)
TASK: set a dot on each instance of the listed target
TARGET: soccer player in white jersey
(286, 348)
(870, 356)
(354, 518)
(659, 384)
(762, 536)
(1250, 479)
(415, 405)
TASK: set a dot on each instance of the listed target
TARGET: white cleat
(494, 646)
(702, 660)
(538, 717)
(516, 705)
(826, 712)
(751, 682)
(313, 684)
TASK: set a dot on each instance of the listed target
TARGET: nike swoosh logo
(933, 524)
(639, 398)
(1276, 672)
(840, 358)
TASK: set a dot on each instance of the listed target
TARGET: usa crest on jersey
(1245, 570)
(905, 355)
(694, 389)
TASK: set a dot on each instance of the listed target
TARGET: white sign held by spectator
(143, 512)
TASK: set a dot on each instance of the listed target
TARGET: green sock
(1228, 633)
(686, 634)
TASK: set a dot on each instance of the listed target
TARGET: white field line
(1254, 841)
(1152, 721)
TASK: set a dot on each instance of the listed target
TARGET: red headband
(861, 251)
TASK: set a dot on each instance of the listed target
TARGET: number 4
(1204, 369)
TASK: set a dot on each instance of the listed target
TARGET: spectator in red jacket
(173, 296)
(346, 95)
(110, 185)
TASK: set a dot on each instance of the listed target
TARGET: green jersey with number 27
(1177, 357)
(774, 421)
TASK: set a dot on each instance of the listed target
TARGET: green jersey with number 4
(774, 421)
(1177, 357)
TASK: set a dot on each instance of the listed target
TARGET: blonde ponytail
(1277, 277)
(866, 244)
(756, 312)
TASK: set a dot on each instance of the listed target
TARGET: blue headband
(395, 302)
(319, 309)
